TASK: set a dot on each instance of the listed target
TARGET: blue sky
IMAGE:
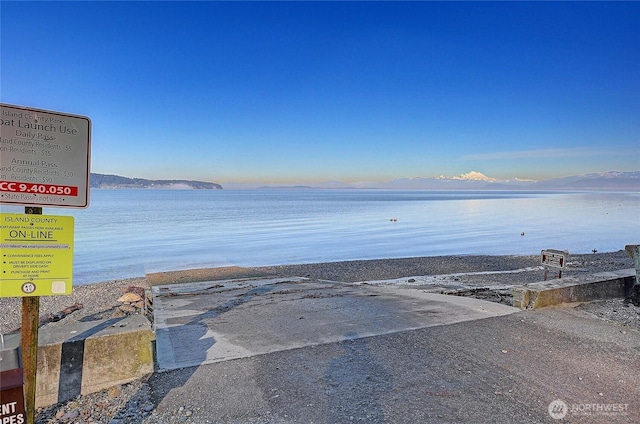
(297, 92)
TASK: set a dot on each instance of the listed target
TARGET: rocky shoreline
(478, 276)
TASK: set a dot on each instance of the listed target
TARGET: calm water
(127, 233)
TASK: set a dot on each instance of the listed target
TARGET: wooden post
(29, 343)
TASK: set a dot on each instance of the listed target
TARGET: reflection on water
(126, 233)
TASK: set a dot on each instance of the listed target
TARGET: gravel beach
(101, 298)
(133, 403)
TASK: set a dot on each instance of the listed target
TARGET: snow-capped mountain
(470, 176)
(474, 180)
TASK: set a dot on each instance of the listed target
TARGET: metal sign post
(552, 258)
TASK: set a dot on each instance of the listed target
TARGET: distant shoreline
(118, 182)
(373, 189)
(628, 181)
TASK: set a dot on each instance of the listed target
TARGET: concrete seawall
(605, 285)
(97, 355)
(87, 357)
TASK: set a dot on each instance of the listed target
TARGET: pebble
(126, 404)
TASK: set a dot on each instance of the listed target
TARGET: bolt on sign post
(44, 161)
(552, 258)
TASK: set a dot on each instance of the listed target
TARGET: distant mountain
(442, 183)
(471, 176)
(604, 181)
(116, 181)
(613, 180)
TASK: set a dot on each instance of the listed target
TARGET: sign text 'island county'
(37, 255)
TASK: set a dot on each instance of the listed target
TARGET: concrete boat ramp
(212, 321)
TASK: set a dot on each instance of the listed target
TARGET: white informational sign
(44, 158)
(553, 258)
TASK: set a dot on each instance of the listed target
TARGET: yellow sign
(36, 256)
